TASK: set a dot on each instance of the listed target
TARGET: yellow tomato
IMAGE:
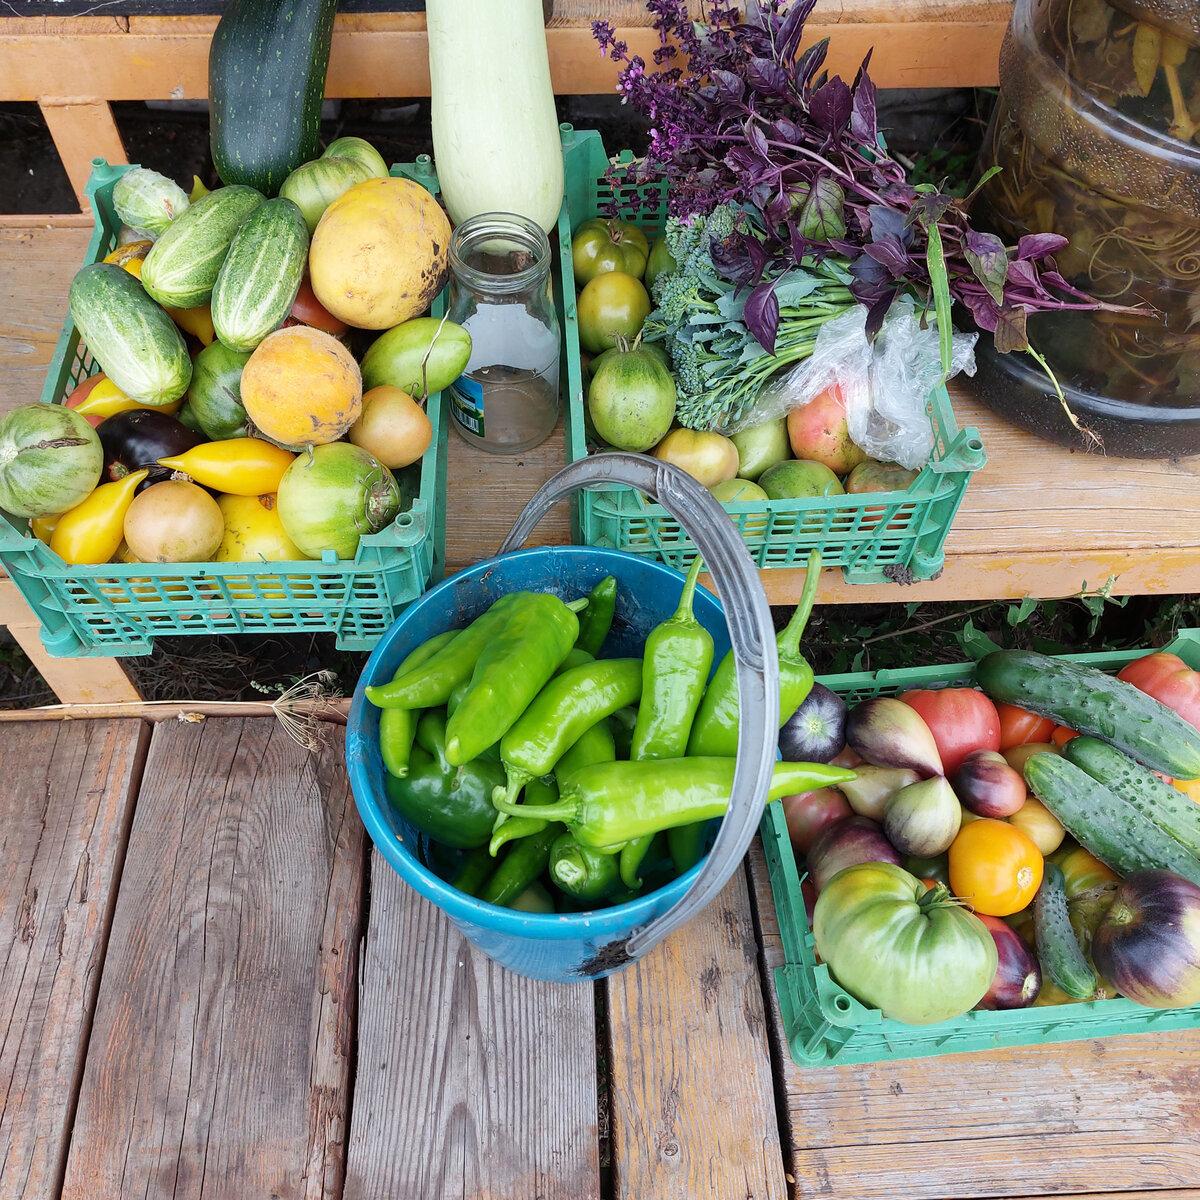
(1189, 787)
(1039, 824)
(994, 867)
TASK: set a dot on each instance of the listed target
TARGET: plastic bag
(884, 384)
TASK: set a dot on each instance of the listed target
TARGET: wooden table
(212, 987)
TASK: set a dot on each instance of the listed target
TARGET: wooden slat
(1115, 1118)
(68, 793)
(691, 1092)
(81, 132)
(473, 1083)
(220, 1056)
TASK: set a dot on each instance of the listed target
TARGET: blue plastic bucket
(567, 946)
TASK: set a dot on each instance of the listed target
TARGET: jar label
(466, 403)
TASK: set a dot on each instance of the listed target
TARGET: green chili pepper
(596, 620)
(398, 726)
(440, 799)
(594, 745)
(575, 658)
(609, 804)
(581, 871)
(524, 861)
(675, 666)
(432, 683)
(686, 843)
(715, 731)
(473, 871)
(570, 703)
(622, 723)
(509, 829)
(509, 674)
(534, 899)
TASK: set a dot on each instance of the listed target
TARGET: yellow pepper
(91, 532)
(198, 190)
(240, 466)
(43, 527)
(106, 398)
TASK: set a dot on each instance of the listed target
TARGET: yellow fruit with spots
(380, 253)
(254, 533)
(301, 387)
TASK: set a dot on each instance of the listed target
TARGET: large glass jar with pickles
(1097, 134)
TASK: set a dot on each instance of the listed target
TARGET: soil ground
(936, 133)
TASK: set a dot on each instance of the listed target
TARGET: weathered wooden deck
(212, 987)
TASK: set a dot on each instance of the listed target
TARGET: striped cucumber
(1092, 702)
(258, 281)
(139, 347)
(182, 266)
(1109, 826)
(1167, 807)
(1058, 950)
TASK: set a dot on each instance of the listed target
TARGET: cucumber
(258, 281)
(266, 83)
(1167, 807)
(1101, 821)
(182, 266)
(1092, 702)
(1057, 950)
(138, 346)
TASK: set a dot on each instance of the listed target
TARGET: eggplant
(816, 731)
(138, 438)
(846, 843)
(886, 732)
(1147, 945)
(988, 786)
(1018, 976)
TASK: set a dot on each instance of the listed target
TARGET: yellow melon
(301, 387)
(380, 253)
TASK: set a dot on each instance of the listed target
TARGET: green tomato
(601, 245)
(918, 956)
(613, 305)
(657, 349)
(659, 262)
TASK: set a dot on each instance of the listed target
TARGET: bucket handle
(752, 634)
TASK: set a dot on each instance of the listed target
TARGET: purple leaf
(985, 253)
(755, 138)
(889, 253)
(765, 76)
(862, 115)
(792, 29)
(1010, 331)
(885, 222)
(740, 258)
(1022, 273)
(983, 309)
(877, 311)
(871, 277)
(929, 208)
(830, 105)
(762, 315)
(783, 130)
(809, 63)
(1038, 245)
(730, 87)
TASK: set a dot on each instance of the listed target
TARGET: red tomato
(807, 813)
(1019, 727)
(961, 720)
(1169, 679)
(308, 310)
(1060, 735)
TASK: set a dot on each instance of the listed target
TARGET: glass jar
(1095, 134)
(507, 398)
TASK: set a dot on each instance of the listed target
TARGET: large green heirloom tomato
(600, 245)
(918, 956)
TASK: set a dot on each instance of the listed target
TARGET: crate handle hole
(975, 444)
(842, 1003)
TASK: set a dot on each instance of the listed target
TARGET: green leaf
(974, 642)
(935, 259)
(822, 216)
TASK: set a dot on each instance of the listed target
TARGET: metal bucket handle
(752, 635)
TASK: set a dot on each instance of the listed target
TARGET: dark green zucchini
(1167, 807)
(1104, 823)
(1058, 952)
(1090, 701)
(266, 83)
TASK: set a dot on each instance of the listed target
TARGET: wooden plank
(68, 795)
(82, 131)
(1020, 1122)
(220, 1056)
(691, 1090)
(473, 1083)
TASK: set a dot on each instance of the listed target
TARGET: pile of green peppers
(549, 778)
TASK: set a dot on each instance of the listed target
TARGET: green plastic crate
(826, 1026)
(896, 536)
(119, 609)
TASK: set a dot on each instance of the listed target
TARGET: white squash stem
(496, 141)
